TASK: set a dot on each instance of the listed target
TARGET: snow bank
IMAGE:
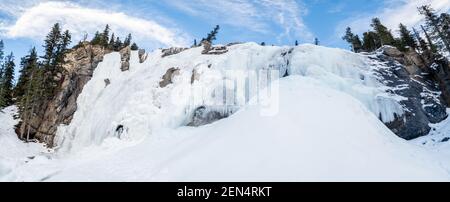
(134, 105)
(347, 143)
(13, 152)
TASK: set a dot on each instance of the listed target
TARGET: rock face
(423, 104)
(125, 57)
(172, 51)
(169, 76)
(80, 65)
(203, 116)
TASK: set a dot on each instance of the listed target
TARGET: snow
(348, 143)
(136, 101)
(13, 152)
(321, 123)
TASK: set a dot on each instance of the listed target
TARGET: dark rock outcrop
(172, 51)
(203, 116)
(407, 77)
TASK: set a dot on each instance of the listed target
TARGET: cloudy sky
(156, 23)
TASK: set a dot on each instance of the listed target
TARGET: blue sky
(155, 23)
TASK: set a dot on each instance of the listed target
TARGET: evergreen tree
(127, 41)
(105, 36)
(296, 43)
(370, 41)
(29, 64)
(406, 38)
(118, 44)
(7, 83)
(353, 40)
(2, 46)
(134, 47)
(434, 26)
(433, 47)
(195, 43)
(384, 34)
(97, 40)
(213, 34)
(55, 48)
(2, 99)
(111, 42)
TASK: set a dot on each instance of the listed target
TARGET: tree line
(436, 31)
(112, 42)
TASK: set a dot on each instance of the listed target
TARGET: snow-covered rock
(135, 99)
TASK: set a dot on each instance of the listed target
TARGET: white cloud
(35, 22)
(394, 13)
(261, 16)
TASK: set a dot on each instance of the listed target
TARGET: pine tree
(29, 64)
(7, 81)
(118, 44)
(382, 32)
(195, 43)
(433, 47)
(127, 41)
(435, 26)
(213, 34)
(316, 41)
(97, 40)
(55, 49)
(134, 47)
(406, 38)
(445, 25)
(357, 44)
(2, 46)
(105, 36)
(370, 41)
(2, 99)
(353, 40)
(111, 42)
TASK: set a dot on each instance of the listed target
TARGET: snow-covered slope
(13, 152)
(324, 125)
(297, 144)
(135, 100)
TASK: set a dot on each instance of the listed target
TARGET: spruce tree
(134, 47)
(111, 42)
(434, 26)
(316, 41)
(433, 47)
(385, 36)
(105, 36)
(213, 34)
(97, 40)
(353, 40)
(7, 81)
(29, 64)
(406, 38)
(2, 99)
(127, 41)
(55, 46)
(118, 44)
(370, 41)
